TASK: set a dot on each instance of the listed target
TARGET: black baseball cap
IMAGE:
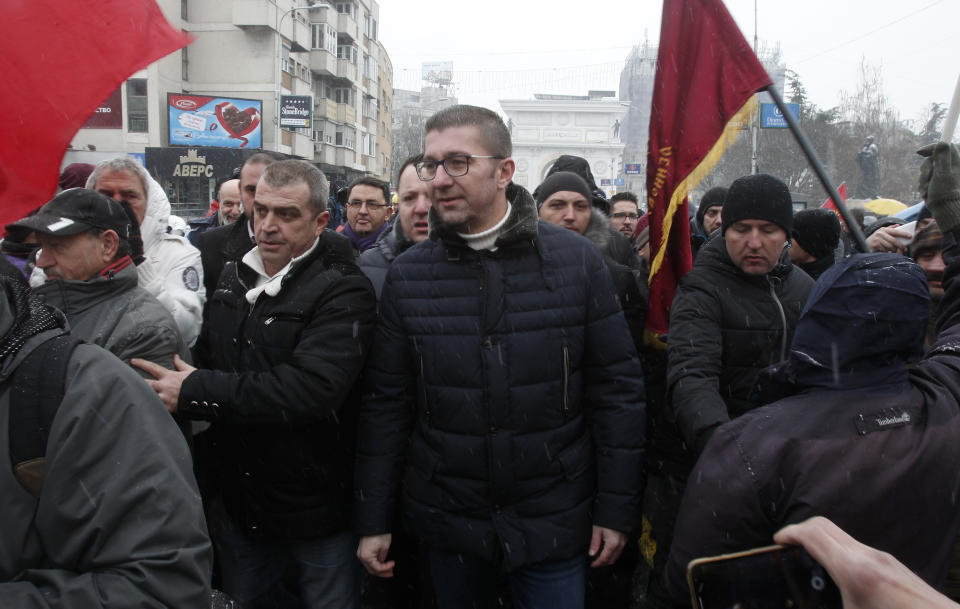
(76, 211)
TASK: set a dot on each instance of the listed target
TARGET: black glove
(940, 183)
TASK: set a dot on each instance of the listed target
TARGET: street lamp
(279, 56)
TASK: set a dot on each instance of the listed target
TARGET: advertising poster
(225, 122)
(296, 111)
(109, 114)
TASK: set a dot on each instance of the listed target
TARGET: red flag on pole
(60, 61)
(706, 75)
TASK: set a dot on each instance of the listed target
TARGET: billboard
(109, 114)
(226, 122)
(296, 111)
(437, 71)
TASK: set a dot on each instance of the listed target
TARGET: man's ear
(109, 244)
(505, 173)
(322, 219)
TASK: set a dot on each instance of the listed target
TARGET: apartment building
(247, 56)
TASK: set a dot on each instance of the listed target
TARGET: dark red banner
(706, 72)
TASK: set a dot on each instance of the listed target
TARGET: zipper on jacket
(565, 404)
(783, 319)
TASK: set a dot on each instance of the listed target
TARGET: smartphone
(774, 577)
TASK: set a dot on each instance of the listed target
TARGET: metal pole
(808, 150)
(950, 122)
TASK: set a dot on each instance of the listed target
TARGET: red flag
(60, 61)
(706, 73)
(829, 204)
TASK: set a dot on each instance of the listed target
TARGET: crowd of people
(450, 400)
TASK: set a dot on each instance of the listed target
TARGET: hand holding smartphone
(773, 577)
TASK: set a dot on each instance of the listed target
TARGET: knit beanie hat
(926, 240)
(560, 181)
(712, 198)
(758, 197)
(817, 231)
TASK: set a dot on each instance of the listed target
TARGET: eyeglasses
(622, 215)
(455, 166)
(371, 205)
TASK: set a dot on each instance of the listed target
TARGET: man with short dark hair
(624, 212)
(368, 210)
(229, 243)
(226, 208)
(88, 262)
(410, 227)
(504, 378)
(279, 398)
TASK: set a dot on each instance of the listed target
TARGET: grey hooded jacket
(113, 312)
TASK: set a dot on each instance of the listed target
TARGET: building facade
(549, 126)
(255, 51)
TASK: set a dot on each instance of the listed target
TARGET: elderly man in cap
(89, 245)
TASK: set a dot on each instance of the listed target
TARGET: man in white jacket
(172, 271)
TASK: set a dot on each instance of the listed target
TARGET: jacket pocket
(565, 388)
(576, 458)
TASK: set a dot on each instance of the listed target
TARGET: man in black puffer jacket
(733, 315)
(504, 373)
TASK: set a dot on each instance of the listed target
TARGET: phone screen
(775, 577)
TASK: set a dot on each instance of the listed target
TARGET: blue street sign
(771, 118)
(605, 182)
(632, 168)
(619, 182)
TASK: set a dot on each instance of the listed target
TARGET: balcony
(347, 28)
(324, 108)
(324, 153)
(253, 14)
(323, 62)
(346, 70)
(345, 157)
(346, 114)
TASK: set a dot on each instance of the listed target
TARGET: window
(346, 8)
(323, 37)
(339, 139)
(285, 64)
(370, 27)
(184, 63)
(345, 96)
(347, 51)
(137, 105)
(183, 9)
(370, 67)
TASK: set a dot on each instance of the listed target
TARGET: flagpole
(801, 138)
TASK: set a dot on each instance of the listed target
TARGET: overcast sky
(511, 49)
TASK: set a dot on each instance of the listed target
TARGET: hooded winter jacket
(725, 327)
(275, 379)
(171, 271)
(860, 438)
(113, 312)
(509, 382)
(119, 522)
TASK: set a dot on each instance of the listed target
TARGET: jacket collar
(73, 296)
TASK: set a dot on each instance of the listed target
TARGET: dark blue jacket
(509, 381)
